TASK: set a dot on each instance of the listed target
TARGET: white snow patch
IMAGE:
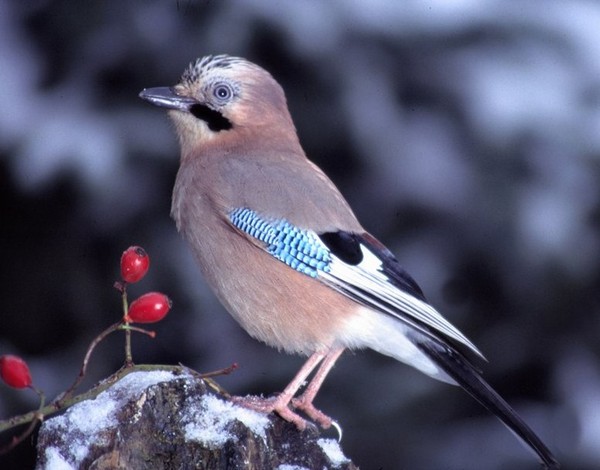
(285, 466)
(209, 418)
(55, 461)
(332, 449)
(82, 423)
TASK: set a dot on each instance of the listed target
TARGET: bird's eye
(223, 92)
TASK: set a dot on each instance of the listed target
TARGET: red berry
(148, 308)
(14, 371)
(134, 264)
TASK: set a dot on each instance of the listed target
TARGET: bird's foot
(305, 404)
(268, 405)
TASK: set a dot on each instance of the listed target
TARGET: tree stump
(163, 420)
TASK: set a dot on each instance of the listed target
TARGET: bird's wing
(360, 267)
(356, 265)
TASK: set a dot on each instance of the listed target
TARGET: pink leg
(280, 403)
(305, 401)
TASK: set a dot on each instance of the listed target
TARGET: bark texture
(177, 422)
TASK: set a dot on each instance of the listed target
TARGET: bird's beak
(166, 97)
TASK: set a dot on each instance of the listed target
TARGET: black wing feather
(442, 350)
(346, 246)
(461, 370)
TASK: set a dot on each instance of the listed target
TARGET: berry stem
(128, 327)
(38, 417)
(67, 394)
(128, 355)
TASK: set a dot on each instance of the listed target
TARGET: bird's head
(221, 99)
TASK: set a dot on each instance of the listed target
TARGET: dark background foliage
(466, 135)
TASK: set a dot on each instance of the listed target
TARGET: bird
(285, 254)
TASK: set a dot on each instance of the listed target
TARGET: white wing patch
(367, 283)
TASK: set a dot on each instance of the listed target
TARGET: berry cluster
(148, 308)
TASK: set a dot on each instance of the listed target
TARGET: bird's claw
(279, 406)
(272, 404)
(307, 407)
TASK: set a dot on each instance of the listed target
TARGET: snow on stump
(161, 420)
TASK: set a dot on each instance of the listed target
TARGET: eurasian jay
(284, 253)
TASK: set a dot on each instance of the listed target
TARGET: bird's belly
(274, 303)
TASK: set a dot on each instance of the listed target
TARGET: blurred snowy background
(466, 135)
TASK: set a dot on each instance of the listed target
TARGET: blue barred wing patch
(300, 249)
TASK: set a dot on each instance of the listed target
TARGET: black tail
(461, 370)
